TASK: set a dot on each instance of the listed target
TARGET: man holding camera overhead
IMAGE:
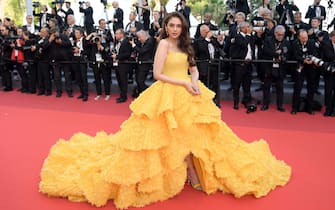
(88, 16)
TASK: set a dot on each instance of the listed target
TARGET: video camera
(8, 39)
(36, 4)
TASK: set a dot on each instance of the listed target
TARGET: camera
(316, 61)
(131, 36)
(36, 4)
(81, 2)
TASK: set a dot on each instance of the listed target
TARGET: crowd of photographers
(276, 44)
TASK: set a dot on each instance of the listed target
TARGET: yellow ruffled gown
(145, 161)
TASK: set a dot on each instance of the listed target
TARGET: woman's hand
(193, 88)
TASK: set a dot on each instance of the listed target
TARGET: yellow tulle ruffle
(145, 161)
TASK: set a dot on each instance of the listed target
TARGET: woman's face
(174, 27)
(266, 2)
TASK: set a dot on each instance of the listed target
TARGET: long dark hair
(184, 43)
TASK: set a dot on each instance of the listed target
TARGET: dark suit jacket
(138, 25)
(40, 15)
(186, 12)
(280, 8)
(311, 12)
(145, 51)
(118, 19)
(298, 54)
(200, 47)
(327, 51)
(239, 46)
(88, 13)
(125, 50)
(242, 6)
(210, 25)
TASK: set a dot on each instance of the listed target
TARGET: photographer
(327, 49)
(316, 11)
(242, 47)
(7, 68)
(98, 56)
(44, 16)
(88, 16)
(285, 10)
(104, 33)
(185, 10)
(30, 27)
(205, 49)
(42, 49)
(145, 50)
(302, 49)
(118, 16)
(145, 14)
(296, 26)
(80, 52)
(17, 58)
(30, 64)
(156, 25)
(276, 48)
(133, 23)
(61, 55)
(122, 53)
(207, 21)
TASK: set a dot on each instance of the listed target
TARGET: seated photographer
(303, 49)
(145, 52)
(276, 48)
(98, 56)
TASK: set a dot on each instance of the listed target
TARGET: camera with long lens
(131, 36)
(330, 67)
(316, 61)
(36, 4)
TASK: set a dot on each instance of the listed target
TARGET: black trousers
(242, 75)
(101, 71)
(6, 75)
(122, 78)
(57, 69)
(329, 79)
(276, 76)
(44, 77)
(32, 76)
(308, 73)
(81, 74)
(23, 72)
(210, 77)
(141, 75)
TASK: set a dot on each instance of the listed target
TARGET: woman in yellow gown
(145, 161)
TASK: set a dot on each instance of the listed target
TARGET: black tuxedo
(40, 15)
(145, 53)
(67, 13)
(311, 13)
(274, 72)
(88, 19)
(282, 9)
(123, 55)
(118, 19)
(31, 35)
(186, 12)
(43, 71)
(307, 71)
(242, 71)
(328, 55)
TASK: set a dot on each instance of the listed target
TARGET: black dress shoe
(85, 98)
(80, 97)
(294, 112)
(327, 114)
(333, 114)
(235, 106)
(7, 89)
(40, 93)
(281, 109)
(121, 100)
(59, 94)
(311, 112)
(47, 94)
(265, 107)
(70, 95)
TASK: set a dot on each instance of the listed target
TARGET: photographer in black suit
(207, 21)
(327, 49)
(185, 10)
(145, 50)
(205, 49)
(276, 49)
(121, 55)
(242, 6)
(30, 26)
(316, 11)
(60, 56)
(6, 73)
(285, 11)
(44, 16)
(88, 16)
(302, 49)
(118, 16)
(242, 47)
(30, 59)
(43, 52)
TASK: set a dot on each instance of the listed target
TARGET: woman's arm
(160, 57)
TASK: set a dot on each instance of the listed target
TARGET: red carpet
(30, 125)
